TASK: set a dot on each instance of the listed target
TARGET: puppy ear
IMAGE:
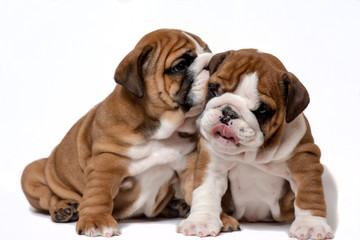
(296, 96)
(129, 73)
(216, 61)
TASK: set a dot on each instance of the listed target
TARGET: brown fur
(306, 170)
(90, 165)
(194, 173)
(187, 177)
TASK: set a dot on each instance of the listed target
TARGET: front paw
(202, 226)
(310, 227)
(97, 225)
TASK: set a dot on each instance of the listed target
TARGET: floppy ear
(129, 73)
(216, 61)
(296, 96)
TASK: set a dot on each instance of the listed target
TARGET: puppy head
(250, 96)
(167, 68)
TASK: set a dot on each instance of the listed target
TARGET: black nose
(225, 119)
(228, 114)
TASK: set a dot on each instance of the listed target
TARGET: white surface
(57, 60)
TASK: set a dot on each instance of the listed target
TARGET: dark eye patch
(179, 72)
(263, 113)
(180, 65)
(213, 91)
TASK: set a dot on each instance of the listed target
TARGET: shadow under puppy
(256, 144)
(121, 158)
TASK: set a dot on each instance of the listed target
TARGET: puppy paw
(229, 223)
(201, 226)
(65, 211)
(176, 208)
(97, 225)
(310, 227)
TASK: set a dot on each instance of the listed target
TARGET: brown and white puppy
(120, 159)
(256, 143)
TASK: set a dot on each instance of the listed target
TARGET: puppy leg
(204, 218)
(40, 196)
(104, 175)
(310, 208)
(35, 187)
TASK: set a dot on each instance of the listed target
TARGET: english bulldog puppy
(256, 144)
(121, 158)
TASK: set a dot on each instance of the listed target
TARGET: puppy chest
(255, 193)
(153, 164)
(155, 185)
(171, 152)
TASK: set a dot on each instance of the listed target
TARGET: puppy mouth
(226, 133)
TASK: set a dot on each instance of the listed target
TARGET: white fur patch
(197, 93)
(165, 130)
(247, 89)
(106, 232)
(201, 75)
(307, 226)
(169, 151)
(199, 49)
(255, 193)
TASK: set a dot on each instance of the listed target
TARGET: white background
(58, 57)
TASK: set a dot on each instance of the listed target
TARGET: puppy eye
(181, 66)
(263, 112)
(213, 91)
(263, 109)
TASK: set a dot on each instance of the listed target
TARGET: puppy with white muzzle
(256, 144)
(121, 159)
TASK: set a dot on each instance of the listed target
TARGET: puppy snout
(227, 115)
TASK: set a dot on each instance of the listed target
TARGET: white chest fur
(255, 193)
(153, 164)
(170, 152)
